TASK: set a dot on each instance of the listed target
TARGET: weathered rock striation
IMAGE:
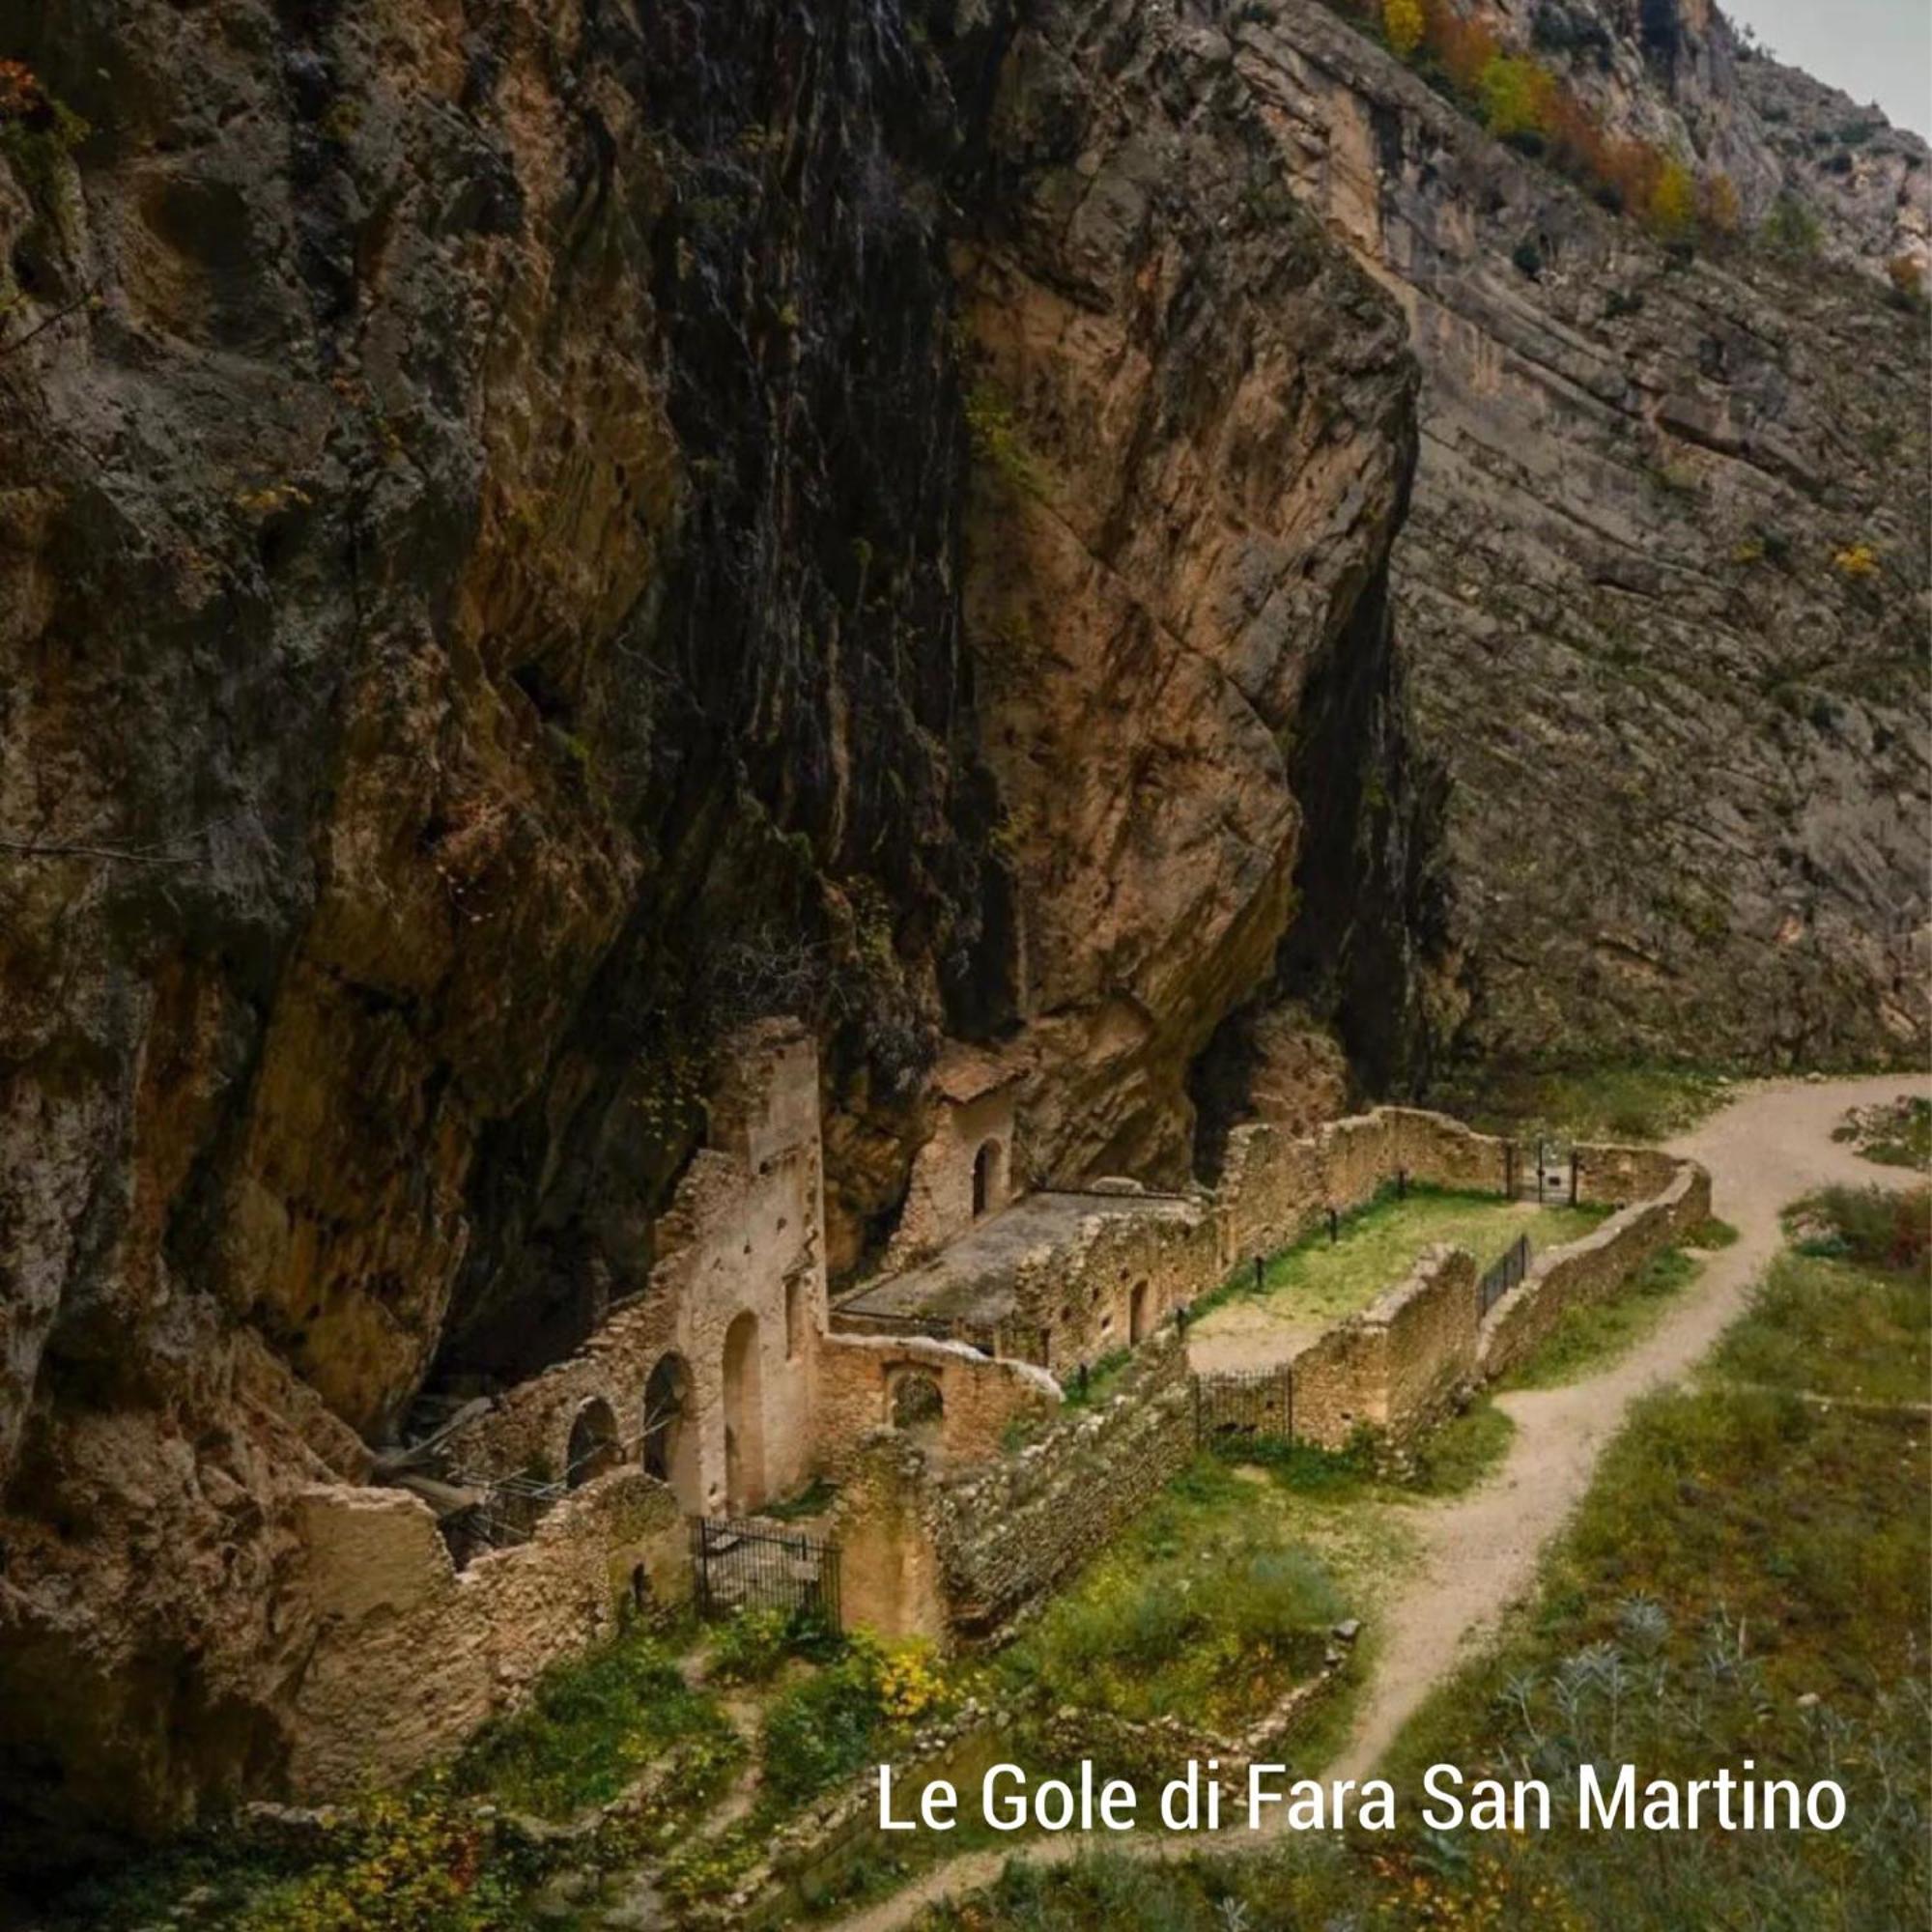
(1662, 594)
(516, 535)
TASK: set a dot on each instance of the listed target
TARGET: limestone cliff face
(1679, 74)
(532, 536)
(1661, 595)
(1196, 418)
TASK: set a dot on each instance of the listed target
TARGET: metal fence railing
(1504, 1275)
(738, 1565)
(1255, 1406)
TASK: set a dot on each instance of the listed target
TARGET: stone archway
(669, 1447)
(917, 1406)
(594, 1446)
(744, 1416)
(990, 1179)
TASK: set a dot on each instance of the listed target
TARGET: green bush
(750, 1647)
(593, 1726)
(1204, 1612)
(826, 1728)
(414, 1864)
(1875, 1227)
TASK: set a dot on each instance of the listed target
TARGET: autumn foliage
(1522, 101)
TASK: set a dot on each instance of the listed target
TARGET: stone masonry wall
(1397, 1365)
(742, 1242)
(411, 1657)
(1591, 1269)
(1008, 1533)
(939, 1204)
(1079, 1302)
(980, 1398)
(889, 1573)
(1277, 1186)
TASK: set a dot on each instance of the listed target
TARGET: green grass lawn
(1316, 1283)
(1208, 1607)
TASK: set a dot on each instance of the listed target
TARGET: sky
(1874, 49)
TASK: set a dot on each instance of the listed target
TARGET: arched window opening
(744, 1417)
(593, 1443)
(916, 1406)
(990, 1179)
(670, 1450)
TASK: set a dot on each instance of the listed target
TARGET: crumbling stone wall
(1397, 1365)
(1277, 1187)
(1008, 1533)
(974, 1099)
(889, 1573)
(1595, 1266)
(411, 1657)
(742, 1240)
(980, 1398)
(1112, 1285)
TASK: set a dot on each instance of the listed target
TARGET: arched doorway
(670, 1443)
(916, 1406)
(990, 1179)
(744, 1417)
(593, 1443)
(1137, 1307)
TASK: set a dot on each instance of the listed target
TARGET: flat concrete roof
(973, 1279)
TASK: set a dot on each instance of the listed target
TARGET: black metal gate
(1544, 1172)
(755, 1566)
(1253, 1406)
(1503, 1275)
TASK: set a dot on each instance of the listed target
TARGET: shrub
(1518, 97)
(831, 1725)
(594, 1725)
(1717, 205)
(1529, 257)
(416, 1864)
(750, 1647)
(1872, 1225)
(1403, 25)
(1857, 560)
(1908, 280)
(1674, 201)
(1791, 228)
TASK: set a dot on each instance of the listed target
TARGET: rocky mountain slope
(1663, 595)
(527, 537)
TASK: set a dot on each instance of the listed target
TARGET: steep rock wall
(1681, 715)
(503, 569)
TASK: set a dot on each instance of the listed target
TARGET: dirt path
(1479, 1553)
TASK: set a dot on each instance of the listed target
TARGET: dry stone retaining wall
(1011, 1532)
(1397, 1365)
(1278, 1187)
